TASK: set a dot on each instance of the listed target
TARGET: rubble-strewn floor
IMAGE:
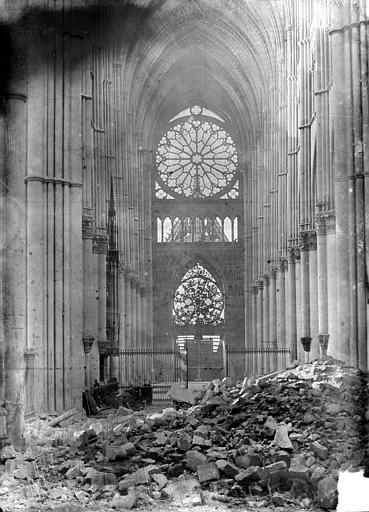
(275, 444)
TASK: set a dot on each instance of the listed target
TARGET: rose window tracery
(198, 299)
(196, 158)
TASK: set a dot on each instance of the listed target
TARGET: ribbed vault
(219, 54)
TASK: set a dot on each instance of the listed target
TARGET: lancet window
(197, 229)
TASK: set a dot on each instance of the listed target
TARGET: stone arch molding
(208, 264)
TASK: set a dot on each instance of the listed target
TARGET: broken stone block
(180, 488)
(299, 489)
(100, 479)
(125, 502)
(300, 472)
(184, 442)
(160, 479)
(202, 430)
(281, 438)
(208, 395)
(227, 468)
(193, 501)
(183, 395)
(123, 411)
(250, 475)
(30, 491)
(327, 495)
(7, 452)
(194, 422)
(308, 418)
(3, 428)
(281, 456)
(76, 470)
(194, 459)
(125, 484)
(332, 408)
(276, 466)
(227, 382)
(310, 461)
(143, 475)
(317, 474)
(270, 425)
(319, 450)
(248, 460)
(280, 479)
(160, 439)
(10, 465)
(198, 441)
(114, 452)
(207, 472)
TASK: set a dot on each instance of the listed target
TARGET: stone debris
(279, 441)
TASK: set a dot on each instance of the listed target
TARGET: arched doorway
(198, 318)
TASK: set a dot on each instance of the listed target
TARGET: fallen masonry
(281, 440)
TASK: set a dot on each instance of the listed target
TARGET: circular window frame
(223, 191)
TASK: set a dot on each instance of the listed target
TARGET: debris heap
(281, 440)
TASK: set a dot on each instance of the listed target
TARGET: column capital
(123, 268)
(306, 343)
(293, 253)
(325, 222)
(307, 240)
(254, 289)
(112, 351)
(87, 344)
(274, 272)
(100, 243)
(29, 353)
(282, 265)
(266, 278)
(87, 224)
(323, 343)
(103, 346)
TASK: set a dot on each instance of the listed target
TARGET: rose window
(198, 299)
(196, 158)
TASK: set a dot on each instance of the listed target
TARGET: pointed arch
(198, 300)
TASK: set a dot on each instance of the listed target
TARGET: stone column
(266, 310)
(273, 307)
(281, 302)
(87, 346)
(291, 324)
(122, 306)
(114, 362)
(340, 110)
(139, 318)
(322, 273)
(134, 312)
(310, 312)
(266, 322)
(14, 266)
(259, 325)
(305, 296)
(100, 248)
(89, 291)
(253, 316)
(128, 313)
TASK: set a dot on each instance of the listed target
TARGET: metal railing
(159, 366)
(255, 361)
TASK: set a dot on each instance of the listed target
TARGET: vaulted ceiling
(220, 54)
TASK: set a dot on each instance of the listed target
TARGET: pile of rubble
(278, 440)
